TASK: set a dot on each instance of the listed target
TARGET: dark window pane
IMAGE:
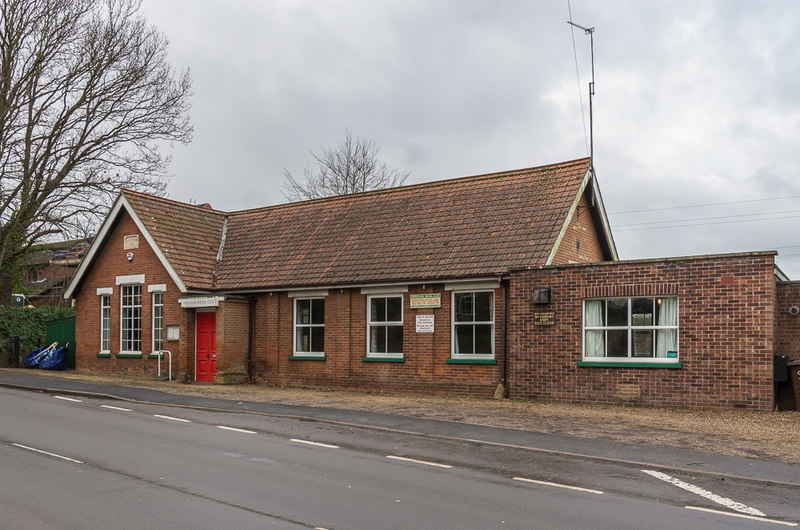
(642, 312)
(318, 311)
(617, 343)
(463, 310)
(464, 339)
(643, 343)
(303, 312)
(394, 339)
(483, 338)
(483, 307)
(617, 311)
(318, 340)
(377, 339)
(394, 309)
(378, 310)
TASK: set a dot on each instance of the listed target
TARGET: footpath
(627, 454)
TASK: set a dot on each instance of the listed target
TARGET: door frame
(204, 310)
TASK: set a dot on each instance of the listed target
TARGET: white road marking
(171, 418)
(557, 485)
(740, 516)
(115, 408)
(68, 399)
(46, 453)
(404, 459)
(317, 444)
(728, 503)
(234, 429)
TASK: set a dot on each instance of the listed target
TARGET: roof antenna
(590, 32)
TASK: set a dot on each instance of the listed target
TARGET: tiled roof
(468, 227)
(188, 235)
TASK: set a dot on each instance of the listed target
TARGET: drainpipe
(505, 336)
(251, 336)
(502, 389)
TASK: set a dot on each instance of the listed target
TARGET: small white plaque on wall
(130, 242)
(425, 323)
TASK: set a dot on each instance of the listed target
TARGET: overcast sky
(697, 103)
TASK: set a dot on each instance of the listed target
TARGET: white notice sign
(424, 323)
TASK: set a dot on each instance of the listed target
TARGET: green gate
(63, 331)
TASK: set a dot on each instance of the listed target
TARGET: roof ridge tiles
(421, 185)
(147, 196)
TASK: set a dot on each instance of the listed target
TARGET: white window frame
(630, 329)
(157, 315)
(453, 324)
(296, 325)
(105, 323)
(386, 324)
(122, 320)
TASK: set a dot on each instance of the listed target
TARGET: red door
(206, 346)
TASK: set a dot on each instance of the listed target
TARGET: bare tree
(86, 98)
(351, 167)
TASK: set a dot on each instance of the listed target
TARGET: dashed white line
(423, 462)
(171, 418)
(46, 453)
(557, 485)
(724, 501)
(740, 516)
(234, 429)
(317, 444)
(68, 399)
(115, 408)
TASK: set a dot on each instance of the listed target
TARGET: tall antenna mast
(590, 32)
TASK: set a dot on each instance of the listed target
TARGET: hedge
(27, 323)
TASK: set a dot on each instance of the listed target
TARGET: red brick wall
(580, 243)
(726, 319)
(787, 337)
(233, 332)
(110, 262)
(425, 366)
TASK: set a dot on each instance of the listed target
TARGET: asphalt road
(70, 462)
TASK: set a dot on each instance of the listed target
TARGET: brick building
(455, 286)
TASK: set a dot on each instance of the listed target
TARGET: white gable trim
(589, 177)
(104, 232)
(598, 198)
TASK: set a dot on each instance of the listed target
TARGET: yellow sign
(545, 318)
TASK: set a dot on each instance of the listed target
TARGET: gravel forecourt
(769, 435)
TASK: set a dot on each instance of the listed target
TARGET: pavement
(595, 449)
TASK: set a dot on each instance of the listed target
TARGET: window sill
(132, 355)
(383, 359)
(631, 364)
(471, 361)
(306, 357)
(104, 354)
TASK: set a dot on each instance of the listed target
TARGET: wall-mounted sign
(420, 301)
(544, 318)
(129, 255)
(130, 242)
(173, 332)
(541, 295)
(424, 323)
(200, 301)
